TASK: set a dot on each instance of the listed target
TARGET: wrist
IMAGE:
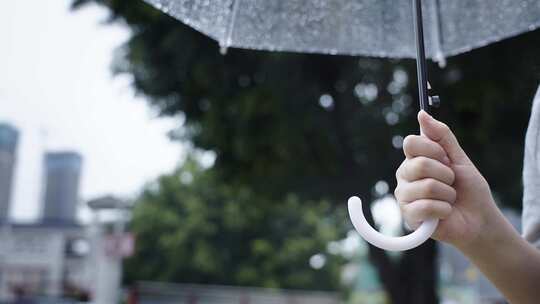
(493, 232)
(507, 260)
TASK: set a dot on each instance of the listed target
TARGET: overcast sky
(57, 89)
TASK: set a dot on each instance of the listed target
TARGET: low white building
(49, 259)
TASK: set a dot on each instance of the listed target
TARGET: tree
(195, 229)
(326, 127)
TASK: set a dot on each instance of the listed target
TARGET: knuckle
(425, 209)
(408, 142)
(430, 187)
(445, 128)
(444, 125)
(440, 152)
(452, 177)
(447, 210)
(403, 209)
(408, 213)
(397, 192)
(453, 195)
(421, 165)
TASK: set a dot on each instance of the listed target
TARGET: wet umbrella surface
(381, 28)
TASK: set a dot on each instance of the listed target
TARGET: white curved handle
(382, 241)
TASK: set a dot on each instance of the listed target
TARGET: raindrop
(207, 158)
(371, 92)
(186, 178)
(326, 101)
(381, 188)
(391, 118)
(393, 88)
(366, 92)
(399, 81)
(317, 261)
(398, 105)
(353, 245)
(387, 215)
(401, 77)
(397, 141)
(406, 99)
(333, 248)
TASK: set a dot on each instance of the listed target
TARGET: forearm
(507, 260)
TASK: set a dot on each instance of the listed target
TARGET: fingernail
(427, 114)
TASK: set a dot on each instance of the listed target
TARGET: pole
(420, 55)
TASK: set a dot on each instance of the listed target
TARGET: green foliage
(193, 228)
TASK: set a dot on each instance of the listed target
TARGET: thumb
(441, 133)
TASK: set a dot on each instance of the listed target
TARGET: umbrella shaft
(420, 55)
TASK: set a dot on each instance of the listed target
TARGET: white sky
(57, 88)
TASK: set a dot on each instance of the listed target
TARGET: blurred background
(139, 165)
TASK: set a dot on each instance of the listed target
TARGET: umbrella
(378, 28)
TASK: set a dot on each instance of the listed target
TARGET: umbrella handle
(426, 229)
(377, 239)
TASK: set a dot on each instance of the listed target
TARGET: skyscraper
(8, 145)
(63, 170)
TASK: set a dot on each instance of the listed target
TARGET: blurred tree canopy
(193, 228)
(327, 127)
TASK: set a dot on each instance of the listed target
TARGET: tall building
(8, 146)
(63, 170)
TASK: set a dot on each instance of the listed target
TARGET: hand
(438, 180)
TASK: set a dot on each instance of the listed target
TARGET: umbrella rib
(436, 34)
(227, 41)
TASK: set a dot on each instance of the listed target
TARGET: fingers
(441, 133)
(425, 178)
(418, 211)
(427, 188)
(422, 167)
(415, 145)
(424, 199)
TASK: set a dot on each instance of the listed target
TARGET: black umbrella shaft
(420, 55)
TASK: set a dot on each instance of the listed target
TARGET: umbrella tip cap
(223, 50)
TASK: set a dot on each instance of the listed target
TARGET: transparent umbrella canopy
(380, 28)
(433, 29)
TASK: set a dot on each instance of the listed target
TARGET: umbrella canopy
(381, 28)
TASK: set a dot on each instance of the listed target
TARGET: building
(62, 170)
(50, 257)
(44, 260)
(8, 145)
